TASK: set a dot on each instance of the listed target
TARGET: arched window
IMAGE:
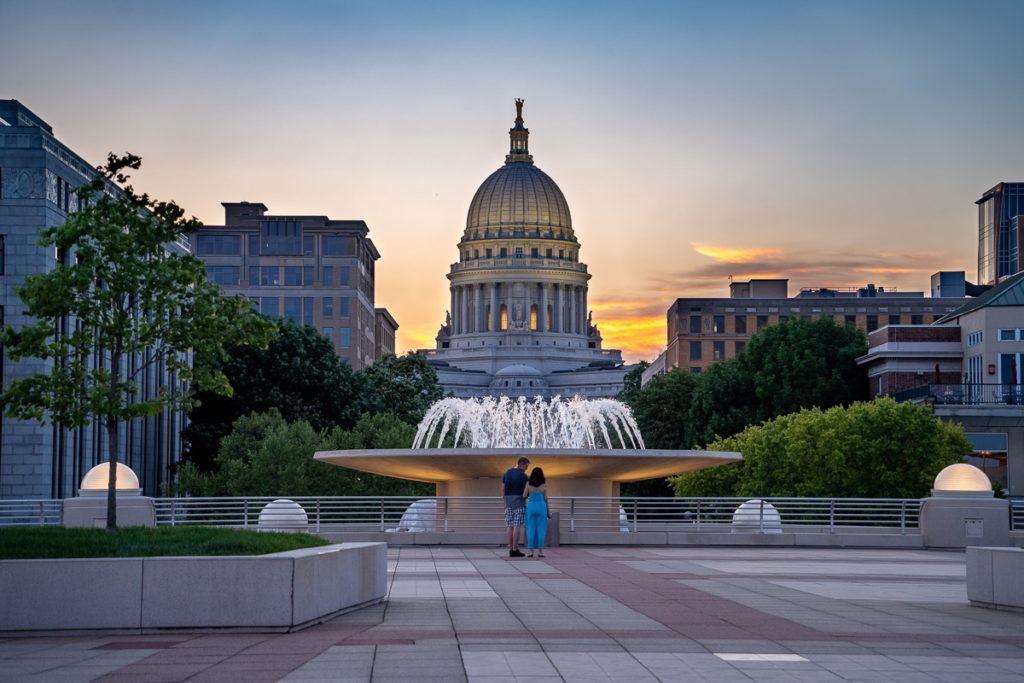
(533, 317)
(504, 317)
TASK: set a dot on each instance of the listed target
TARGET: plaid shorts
(514, 516)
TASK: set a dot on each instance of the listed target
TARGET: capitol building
(519, 323)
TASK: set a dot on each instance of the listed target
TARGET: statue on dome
(519, 108)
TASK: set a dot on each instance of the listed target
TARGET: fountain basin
(570, 471)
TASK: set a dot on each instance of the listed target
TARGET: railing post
(245, 512)
(173, 511)
(382, 514)
(636, 516)
(698, 514)
(446, 514)
(42, 514)
(318, 515)
(760, 516)
(572, 514)
(903, 517)
(831, 515)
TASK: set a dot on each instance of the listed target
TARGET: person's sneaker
(516, 553)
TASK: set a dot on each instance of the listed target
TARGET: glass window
(292, 276)
(328, 306)
(534, 252)
(741, 324)
(519, 252)
(740, 346)
(344, 273)
(695, 350)
(309, 245)
(335, 245)
(328, 278)
(329, 334)
(488, 252)
(1007, 335)
(224, 275)
(850, 320)
(307, 310)
(719, 350)
(281, 238)
(719, 324)
(269, 276)
(269, 307)
(762, 320)
(293, 309)
(694, 324)
(254, 275)
(916, 319)
(343, 339)
(254, 245)
(872, 323)
(894, 319)
(307, 275)
(343, 307)
(547, 253)
(503, 253)
(219, 245)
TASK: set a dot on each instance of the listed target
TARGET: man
(512, 486)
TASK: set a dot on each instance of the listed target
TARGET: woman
(536, 495)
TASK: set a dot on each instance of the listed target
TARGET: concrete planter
(995, 577)
(276, 592)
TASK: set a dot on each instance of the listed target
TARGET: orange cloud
(736, 254)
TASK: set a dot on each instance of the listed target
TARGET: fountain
(586, 447)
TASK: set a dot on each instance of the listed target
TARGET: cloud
(736, 254)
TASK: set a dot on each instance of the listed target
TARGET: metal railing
(626, 514)
(965, 394)
(1017, 514)
(40, 512)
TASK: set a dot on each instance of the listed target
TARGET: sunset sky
(831, 143)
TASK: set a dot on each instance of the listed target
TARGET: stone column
(542, 312)
(477, 312)
(464, 309)
(583, 310)
(453, 311)
(494, 306)
(572, 310)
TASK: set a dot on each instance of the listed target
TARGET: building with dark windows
(38, 176)
(518, 323)
(1000, 232)
(385, 328)
(312, 270)
(704, 330)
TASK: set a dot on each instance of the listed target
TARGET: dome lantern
(519, 139)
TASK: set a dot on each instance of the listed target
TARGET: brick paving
(598, 614)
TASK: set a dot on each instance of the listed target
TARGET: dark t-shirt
(515, 482)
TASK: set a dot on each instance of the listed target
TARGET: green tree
(298, 373)
(266, 455)
(803, 363)
(403, 386)
(870, 449)
(631, 384)
(133, 299)
(722, 402)
(662, 410)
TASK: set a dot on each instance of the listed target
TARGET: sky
(833, 143)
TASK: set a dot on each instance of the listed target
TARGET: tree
(723, 402)
(662, 410)
(298, 373)
(802, 363)
(403, 386)
(631, 383)
(266, 455)
(133, 298)
(871, 449)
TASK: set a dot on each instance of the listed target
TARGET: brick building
(309, 269)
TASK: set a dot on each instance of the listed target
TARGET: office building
(38, 177)
(311, 270)
(1000, 226)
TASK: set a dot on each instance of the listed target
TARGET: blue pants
(536, 524)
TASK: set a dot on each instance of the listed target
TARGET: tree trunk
(112, 480)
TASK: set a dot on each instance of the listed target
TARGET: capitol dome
(518, 194)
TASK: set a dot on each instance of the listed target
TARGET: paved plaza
(593, 614)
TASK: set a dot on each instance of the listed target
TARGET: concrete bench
(995, 577)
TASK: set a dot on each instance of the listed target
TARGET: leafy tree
(132, 299)
(403, 386)
(722, 403)
(631, 384)
(872, 449)
(803, 363)
(662, 409)
(265, 455)
(298, 374)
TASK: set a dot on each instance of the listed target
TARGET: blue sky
(836, 143)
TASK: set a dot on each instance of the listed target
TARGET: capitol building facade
(519, 323)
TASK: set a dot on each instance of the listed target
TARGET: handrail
(31, 512)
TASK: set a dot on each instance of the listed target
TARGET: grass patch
(22, 543)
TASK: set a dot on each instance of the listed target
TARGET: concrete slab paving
(598, 614)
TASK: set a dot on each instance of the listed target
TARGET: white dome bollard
(283, 515)
(757, 516)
